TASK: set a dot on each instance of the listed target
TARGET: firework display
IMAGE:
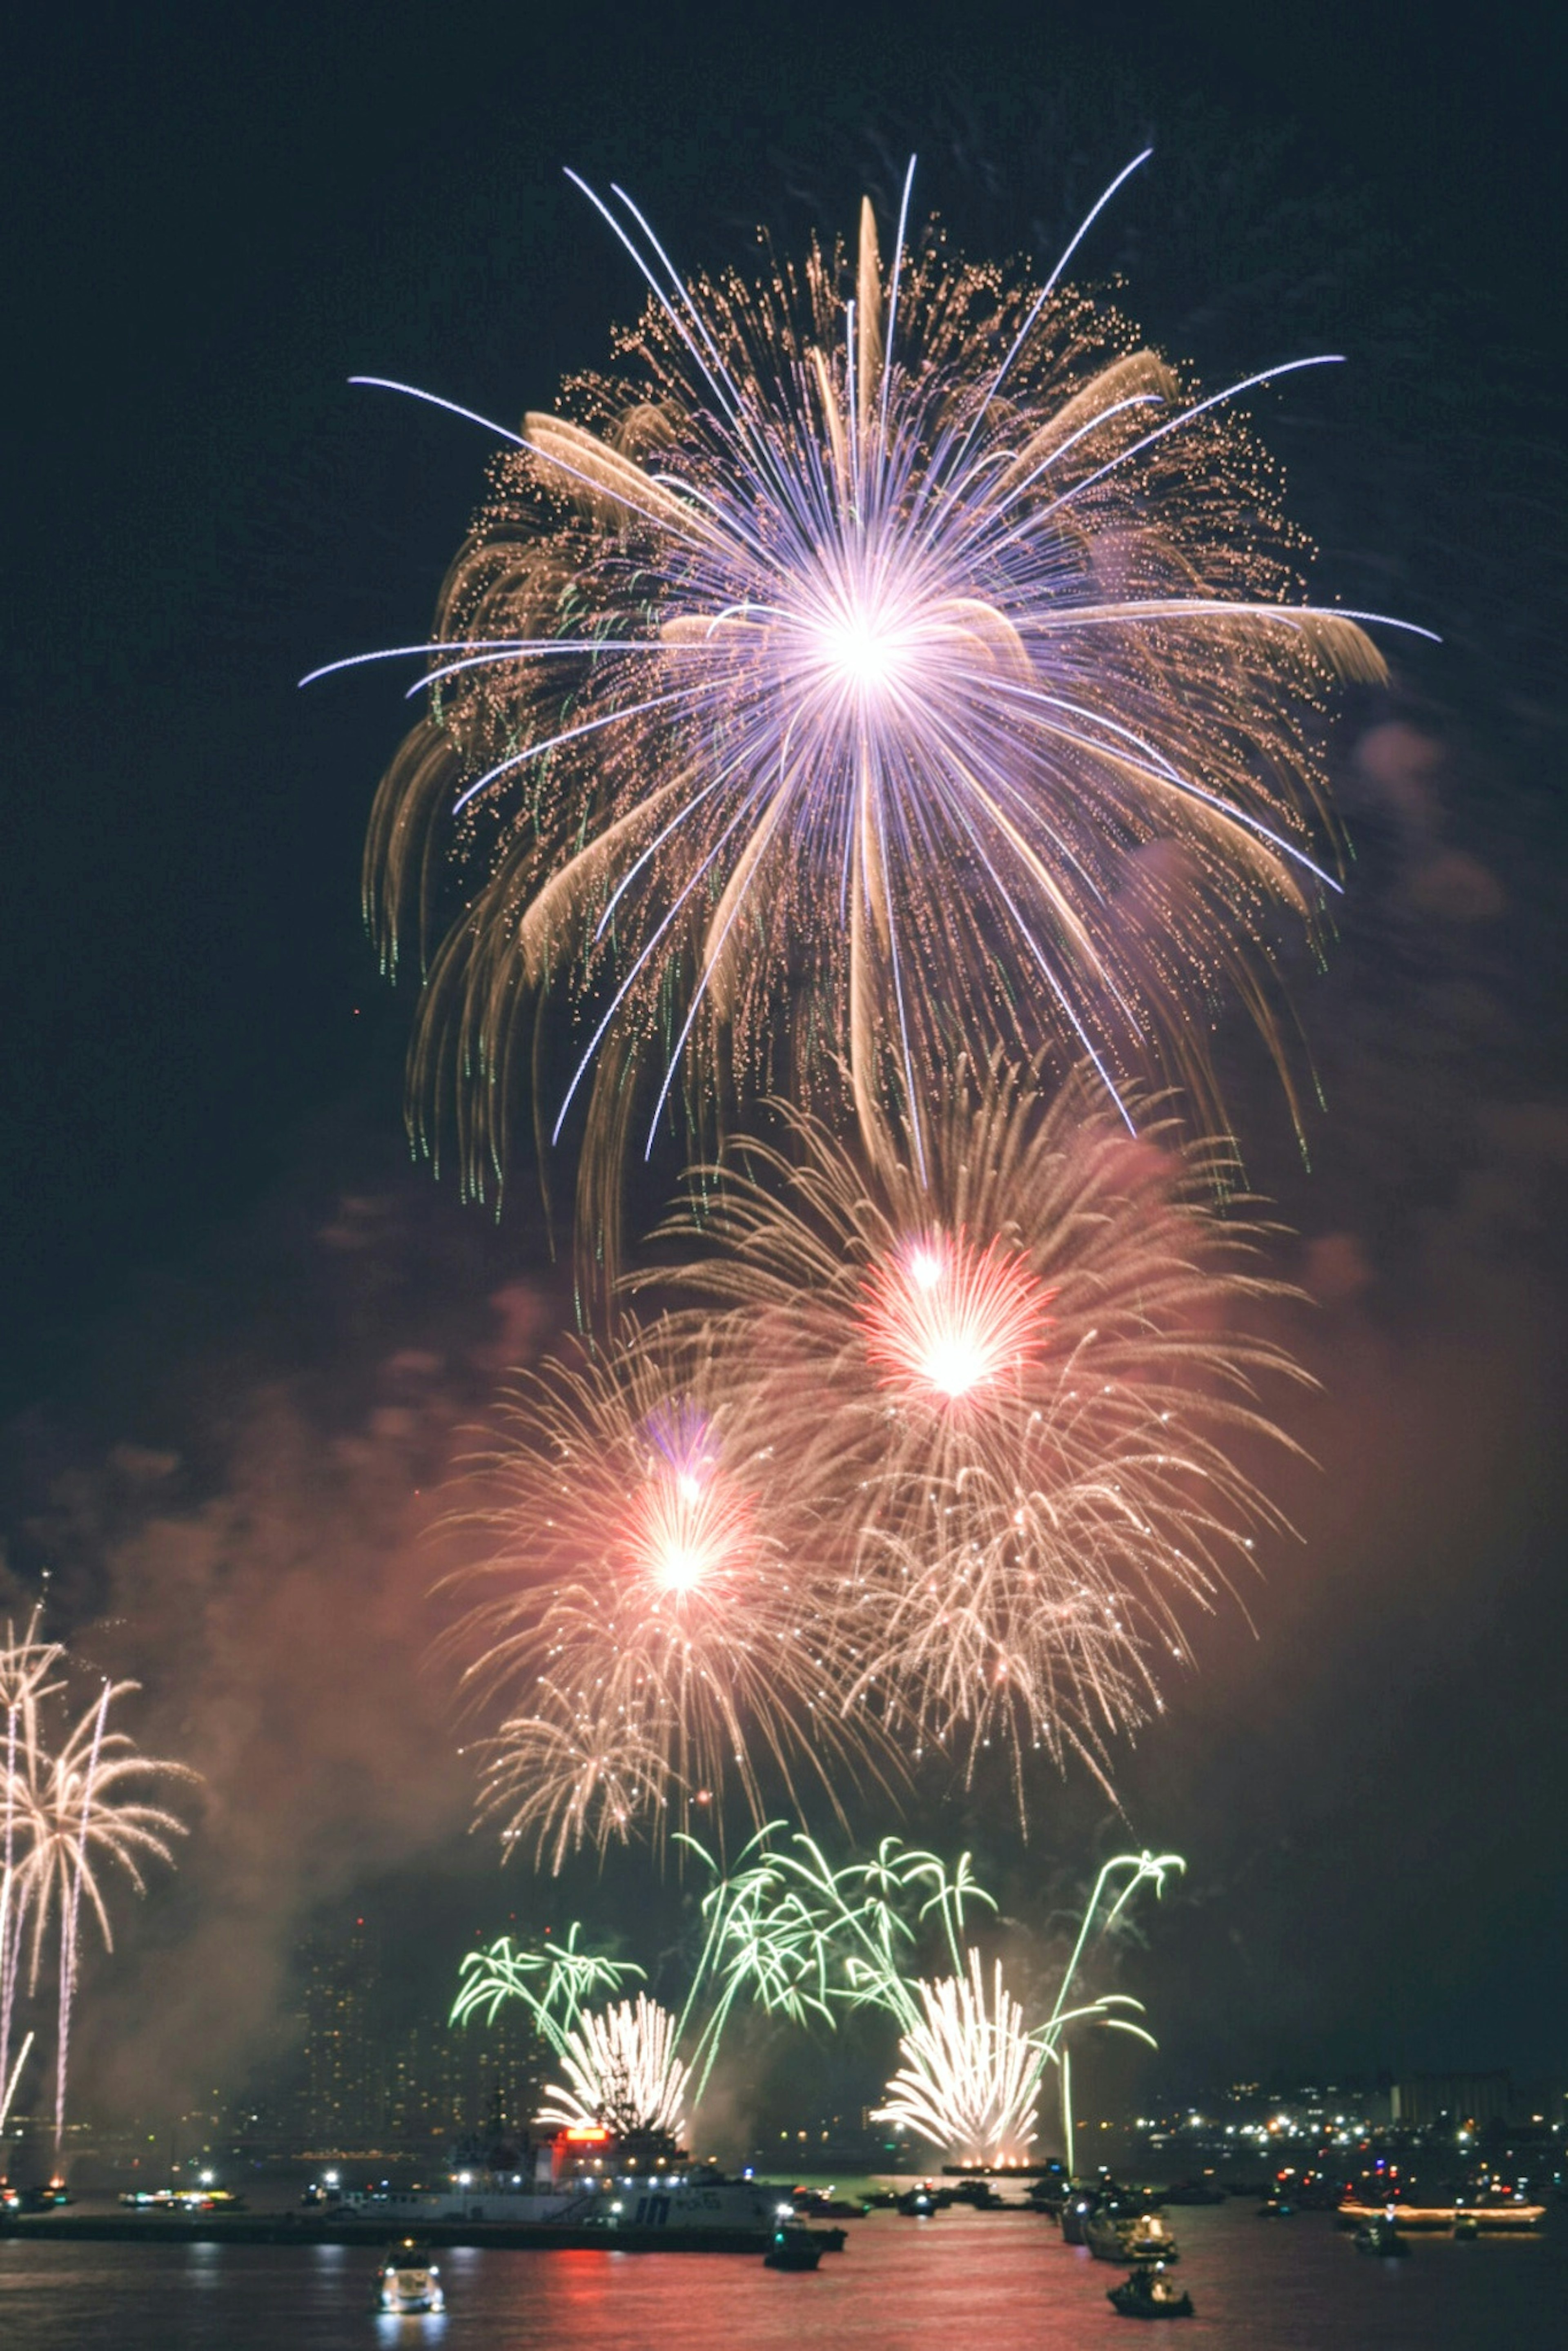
(647, 1617)
(884, 714)
(886, 661)
(622, 2071)
(970, 2076)
(554, 1985)
(1024, 1370)
(622, 2067)
(807, 1941)
(793, 1936)
(77, 1816)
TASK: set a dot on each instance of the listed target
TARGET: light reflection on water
(961, 2281)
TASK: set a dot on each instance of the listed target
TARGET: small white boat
(408, 2283)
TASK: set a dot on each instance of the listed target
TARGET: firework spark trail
(623, 2071)
(553, 1984)
(24, 1669)
(783, 1929)
(646, 1622)
(971, 2071)
(1026, 1376)
(88, 1814)
(1100, 1915)
(804, 1940)
(970, 2078)
(9, 2082)
(70, 1919)
(846, 653)
(621, 2063)
(70, 1809)
(799, 1938)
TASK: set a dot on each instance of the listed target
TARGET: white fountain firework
(77, 1814)
(969, 2080)
(623, 2071)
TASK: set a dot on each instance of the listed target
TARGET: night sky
(245, 1332)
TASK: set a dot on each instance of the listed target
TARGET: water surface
(961, 2281)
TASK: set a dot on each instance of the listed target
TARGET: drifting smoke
(263, 1571)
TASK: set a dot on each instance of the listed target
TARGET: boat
(1075, 2214)
(793, 2247)
(1513, 2217)
(832, 2241)
(1149, 2293)
(1105, 2233)
(1148, 2239)
(919, 2205)
(1317, 2191)
(1276, 2207)
(1195, 2191)
(683, 2206)
(1380, 2236)
(822, 2204)
(981, 2195)
(408, 2283)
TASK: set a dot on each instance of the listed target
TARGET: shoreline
(282, 2228)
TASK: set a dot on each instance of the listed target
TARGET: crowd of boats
(795, 2228)
(1125, 2226)
(599, 2192)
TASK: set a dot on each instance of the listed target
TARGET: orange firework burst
(1025, 1378)
(646, 1623)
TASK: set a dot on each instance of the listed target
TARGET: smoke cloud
(264, 1568)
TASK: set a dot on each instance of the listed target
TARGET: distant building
(1468, 2101)
(471, 2079)
(364, 2079)
(342, 2097)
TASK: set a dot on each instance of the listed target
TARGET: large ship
(588, 2177)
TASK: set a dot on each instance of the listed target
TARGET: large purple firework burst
(886, 662)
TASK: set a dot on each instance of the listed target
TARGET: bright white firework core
(681, 1538)
(866, 655)
(865, 644)
(925, 1266)
(948, 1320)
(955, 1360)
(688, 1526)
